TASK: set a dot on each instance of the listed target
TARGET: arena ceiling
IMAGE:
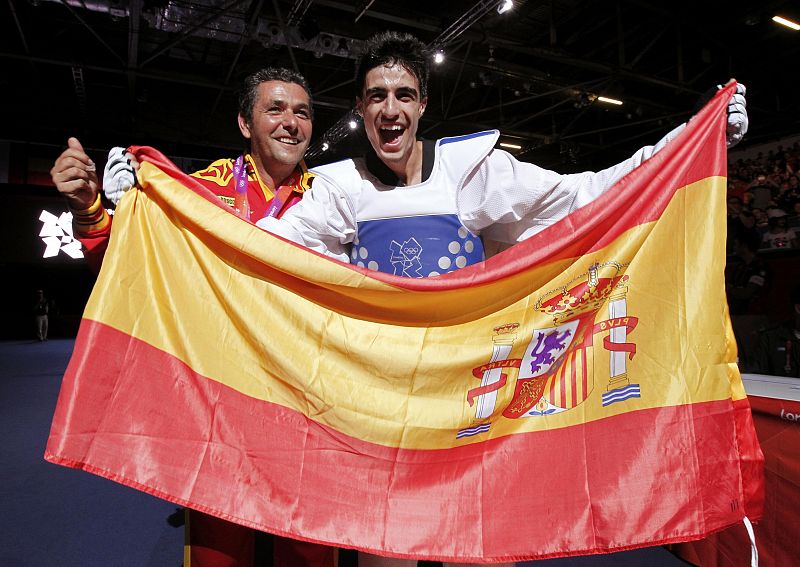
(164, 72)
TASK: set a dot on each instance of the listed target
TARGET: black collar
(386, 176)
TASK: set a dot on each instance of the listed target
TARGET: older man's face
(280, 129)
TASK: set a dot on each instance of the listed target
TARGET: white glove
(737, 117)
(119, 174)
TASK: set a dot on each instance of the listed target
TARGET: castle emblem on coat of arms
(556, 371)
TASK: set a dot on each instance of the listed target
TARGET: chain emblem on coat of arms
(556, 371)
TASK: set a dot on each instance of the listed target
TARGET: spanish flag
(575, 394)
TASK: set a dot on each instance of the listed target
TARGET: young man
(275, 119)
(417, 208)
(423, 208)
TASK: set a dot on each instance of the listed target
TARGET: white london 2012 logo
(57, 235)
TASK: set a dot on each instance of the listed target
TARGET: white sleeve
(324, 220)
(507, 200)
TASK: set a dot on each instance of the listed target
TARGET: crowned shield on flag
(544, 354)
(554, 365)
(556, 370)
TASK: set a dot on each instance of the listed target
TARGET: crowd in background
(764, 196)
(763, 265)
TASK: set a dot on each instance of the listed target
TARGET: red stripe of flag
(299, 478)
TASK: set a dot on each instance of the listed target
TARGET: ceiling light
(353, 124)
(609, 100)
(438, 57)
(504, 6)
(510, 146)
(785, 22)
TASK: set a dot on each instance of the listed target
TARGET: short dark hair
(249, 92)
(394, 48)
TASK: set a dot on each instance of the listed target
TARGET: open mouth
(290, 141)
(391, 135)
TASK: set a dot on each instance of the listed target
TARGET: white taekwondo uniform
(473, 193)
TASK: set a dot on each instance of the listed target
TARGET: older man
(275, 119)
(275, 115)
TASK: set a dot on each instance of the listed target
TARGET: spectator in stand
(734, 208)
(778, 351)
(748, 221)
(746, 273)
(793, 159)
(789, 194)
(747, 199)
(783, 187)
(779, 235)
(736, 185)
(761, 191)
(746, 278)
(737, 221)
(761, 220)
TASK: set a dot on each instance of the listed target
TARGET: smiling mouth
(391, 135)
(290, 141)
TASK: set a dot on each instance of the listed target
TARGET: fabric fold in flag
(575, 394)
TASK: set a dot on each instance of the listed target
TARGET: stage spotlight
(438, 57)
(353, 124)
(505, 6)
(325, 146)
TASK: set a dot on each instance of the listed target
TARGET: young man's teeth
(392, 128)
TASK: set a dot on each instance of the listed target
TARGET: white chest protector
(414, 231)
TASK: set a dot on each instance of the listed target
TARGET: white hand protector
(118, 176)
(737, 117)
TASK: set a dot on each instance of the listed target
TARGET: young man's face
(391, 105)
(280, 129)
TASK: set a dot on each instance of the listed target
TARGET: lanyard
(240, 198)
(280, 198)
